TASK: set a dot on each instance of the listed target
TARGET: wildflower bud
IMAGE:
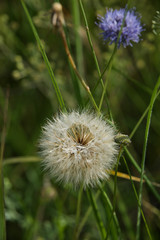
(57, 17)
(122, 139)
(78, 148)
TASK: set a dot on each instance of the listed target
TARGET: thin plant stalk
(153, 98)
(111, 209)
(109, 65)
(97, 214)
(145, 222)
(114, 191)
(32, 159)
(149, 183)
(55, 85)
(78, 212)
(94, 56)
(141, 118)
(86, 87)
(74, 77)
(3, 137)
(20, 160)
(90, 41)
(84, 219)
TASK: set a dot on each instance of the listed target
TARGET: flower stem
(90, 42)
(106, 198)
(78, 212)
(83, 221)
(114, 191)
(97, 214)
(109, 65)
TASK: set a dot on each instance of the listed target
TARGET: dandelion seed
(78, 149)
(111, 25)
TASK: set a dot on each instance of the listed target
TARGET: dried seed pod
(57, 17)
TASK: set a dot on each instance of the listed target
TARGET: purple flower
(111, 25)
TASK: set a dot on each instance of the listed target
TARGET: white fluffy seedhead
(78, 148)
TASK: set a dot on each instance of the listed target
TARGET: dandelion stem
(83, 221)
(106, 198)
(153, 98)
(97, 214)
(78, 212)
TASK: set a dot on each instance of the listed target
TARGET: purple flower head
(111, 25)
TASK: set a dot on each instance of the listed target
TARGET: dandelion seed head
(111, 24)
(78, 148)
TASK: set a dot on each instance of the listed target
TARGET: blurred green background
(37, 208)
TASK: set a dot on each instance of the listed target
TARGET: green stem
(78, 212)
(90, 41)
(94, 57)
(109, 65)
(134, 189)
(106, 198)
(20, 160)
(97, 214)
(152, 188)
(84, 219)
(3, 137)
(153, 98)
(114, 191)
(55, 85)
(141, 118)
